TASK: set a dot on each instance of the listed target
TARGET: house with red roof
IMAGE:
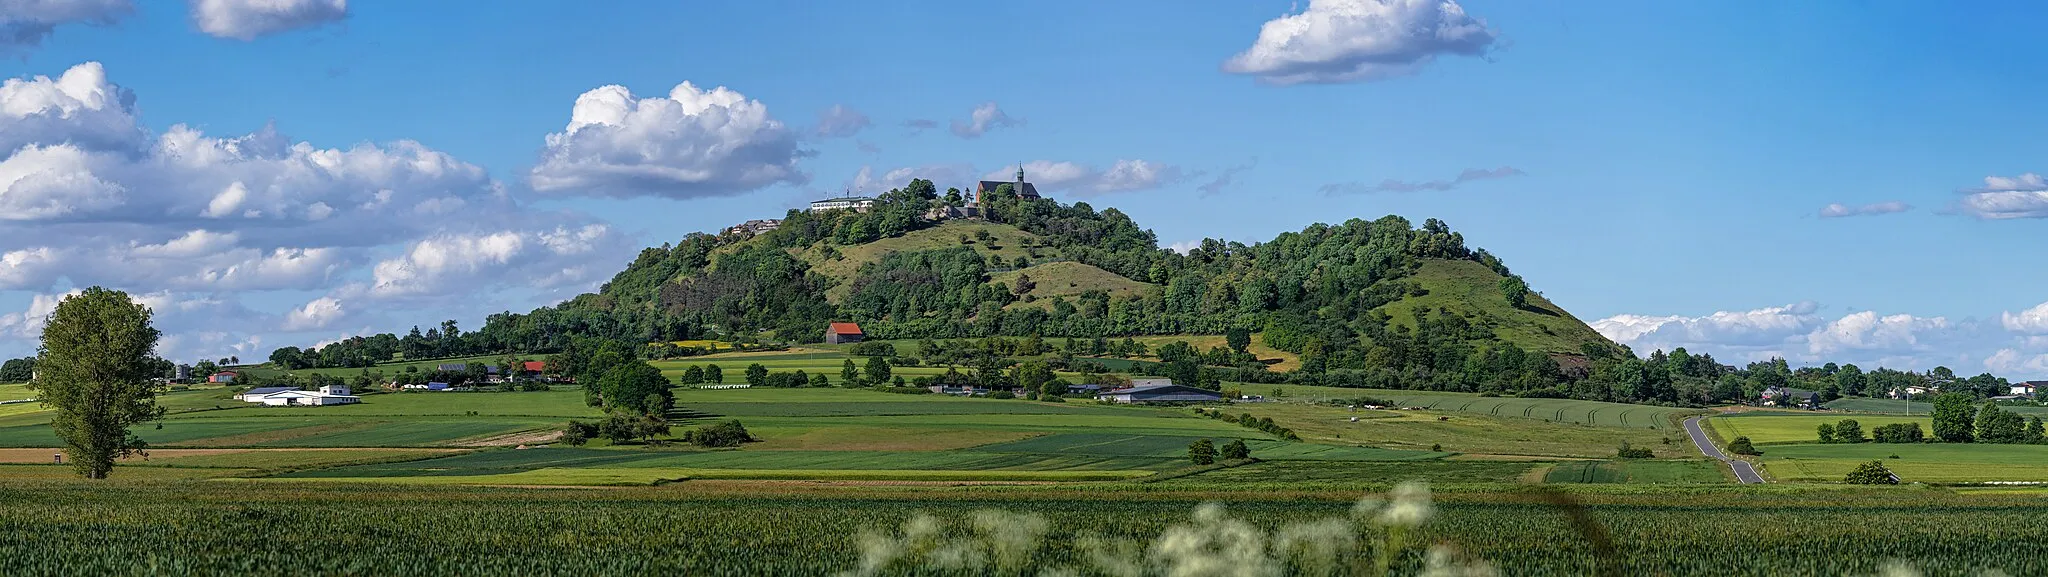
(841, 333)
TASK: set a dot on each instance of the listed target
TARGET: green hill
(1381, 303)
(1003, 243)
(1471, 290)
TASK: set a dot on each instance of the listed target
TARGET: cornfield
(705, 528)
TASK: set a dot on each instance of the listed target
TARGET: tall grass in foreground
(1366, 541)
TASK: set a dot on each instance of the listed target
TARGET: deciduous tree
(1202, 452)
(94, 369)
(1954, 416)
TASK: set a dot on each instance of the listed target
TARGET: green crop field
(1916, 463)
(1639, 472)
(1772, 428)
(710, 527)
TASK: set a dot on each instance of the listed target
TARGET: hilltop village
(959, 204)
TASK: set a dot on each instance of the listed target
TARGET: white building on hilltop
(853, 203)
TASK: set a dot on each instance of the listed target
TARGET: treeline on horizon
(1315, 293)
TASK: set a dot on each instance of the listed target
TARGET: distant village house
(221, 377)
(1790, 398)
(2026, 388)
(754, 227)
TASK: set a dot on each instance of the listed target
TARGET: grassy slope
(1069, 279)
(1597, 413)
(944, 235)
(1930, 462)
(1904, 407)
(1472, 290)
(1770, 428)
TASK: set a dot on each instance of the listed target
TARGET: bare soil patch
(513, 439)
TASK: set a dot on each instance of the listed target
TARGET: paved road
(1743, 470)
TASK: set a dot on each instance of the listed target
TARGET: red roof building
(534, 366)
(840, 333)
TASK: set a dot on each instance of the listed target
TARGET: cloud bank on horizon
(1800, 333)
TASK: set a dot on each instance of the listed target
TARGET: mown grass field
(15, 391)
(1905, 407)
(1776, 428)
(1916, 463)
(1461, 432)
(1597, 413)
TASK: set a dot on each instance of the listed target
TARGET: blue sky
(1663, 170)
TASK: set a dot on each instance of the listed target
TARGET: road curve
(1743, 470)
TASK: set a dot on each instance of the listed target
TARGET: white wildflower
(1316, 548)
(1444, 561)
(1013, 537)
(1411, 506)
(1213, 545)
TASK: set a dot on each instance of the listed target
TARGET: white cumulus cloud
(1360, 40)
(1798, 333)
(193, 224)
(1767, 331)
(2006, 197)
(248, 19)
(1866, 331)
(78, 108)
(2033, 321)
(318, 313)
(691, 143)
(28, 324)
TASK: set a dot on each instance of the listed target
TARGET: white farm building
(292, 397)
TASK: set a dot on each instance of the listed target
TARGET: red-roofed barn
(840, 333)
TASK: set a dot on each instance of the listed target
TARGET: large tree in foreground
(94, 368)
